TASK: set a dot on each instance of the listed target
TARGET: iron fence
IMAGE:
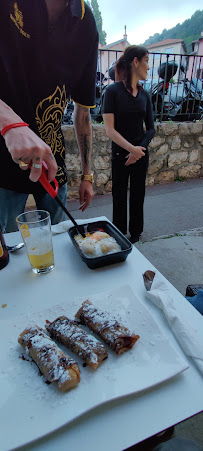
(175, 84)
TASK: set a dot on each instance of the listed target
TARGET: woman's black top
(131, 113)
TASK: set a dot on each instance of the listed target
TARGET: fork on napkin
(159, 293)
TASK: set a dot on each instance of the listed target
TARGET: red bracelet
(16, 124)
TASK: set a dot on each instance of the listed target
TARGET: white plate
(30, 409)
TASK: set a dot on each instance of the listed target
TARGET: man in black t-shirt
(48, 52)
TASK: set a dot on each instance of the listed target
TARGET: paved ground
(169, 208)
(172, 241)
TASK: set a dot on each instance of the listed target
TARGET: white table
(122, 422)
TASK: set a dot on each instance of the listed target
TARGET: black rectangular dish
(104, 260)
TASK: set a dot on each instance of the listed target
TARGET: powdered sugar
(80, 342)
(118, 337)
(52, 362)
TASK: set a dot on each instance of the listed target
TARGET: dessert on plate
(116, 336)
(55, 366)
(85, 345)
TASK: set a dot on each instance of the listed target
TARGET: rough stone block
(176, 143)
(101, 179)
(108, 187)
(184, 129)
(75, 181)
(101, 162)
(149, 180)
(165, 177)
(100, 134)
(195, 127)
(156, 142)
(72, 194)
(68, 132)
(155, 166)
(162, 150)
(169, 128)
(193, 155)
(189, 143)
(177, 158)
(73, 162)
(189, 172)
(200, 140)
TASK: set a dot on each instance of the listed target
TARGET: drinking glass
(35, 228)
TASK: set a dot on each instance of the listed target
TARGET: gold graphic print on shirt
(49, 114)
(17, 19)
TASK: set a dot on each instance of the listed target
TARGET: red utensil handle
(46, 184)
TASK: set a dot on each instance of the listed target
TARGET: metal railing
(175, 84)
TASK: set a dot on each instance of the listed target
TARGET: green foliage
(189, 31)
(179, 179)
(98, 19)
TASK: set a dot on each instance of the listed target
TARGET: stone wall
(176, 153)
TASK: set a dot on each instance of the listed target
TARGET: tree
(98, 19)
(189, 31)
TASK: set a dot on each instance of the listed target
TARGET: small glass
(35, 228)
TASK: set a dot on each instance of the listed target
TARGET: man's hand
(25, 146)
(135, 154)
(86, 194)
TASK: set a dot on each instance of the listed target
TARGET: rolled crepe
(53, 363)
(78, 340)
(118, 337)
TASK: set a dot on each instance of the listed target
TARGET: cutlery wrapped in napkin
(159, 293)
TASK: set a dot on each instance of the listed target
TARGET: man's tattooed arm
(83, 130)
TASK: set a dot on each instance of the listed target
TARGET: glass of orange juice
(35, 228)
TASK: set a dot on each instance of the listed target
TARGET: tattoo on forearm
(85, 148)
(87, 119)
(87, 116)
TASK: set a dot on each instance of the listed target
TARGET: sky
(143, 18)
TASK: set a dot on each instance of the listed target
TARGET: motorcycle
(96, 113)
(159, 90)
(178, 101)
(184, 103)
(68, 113)
(195, 98)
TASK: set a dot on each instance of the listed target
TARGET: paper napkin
(61, 227)
(183, 330)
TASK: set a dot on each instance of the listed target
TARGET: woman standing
(127, 107)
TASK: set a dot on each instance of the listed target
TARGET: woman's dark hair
(123, 65)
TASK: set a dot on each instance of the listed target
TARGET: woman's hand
(136, 152)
